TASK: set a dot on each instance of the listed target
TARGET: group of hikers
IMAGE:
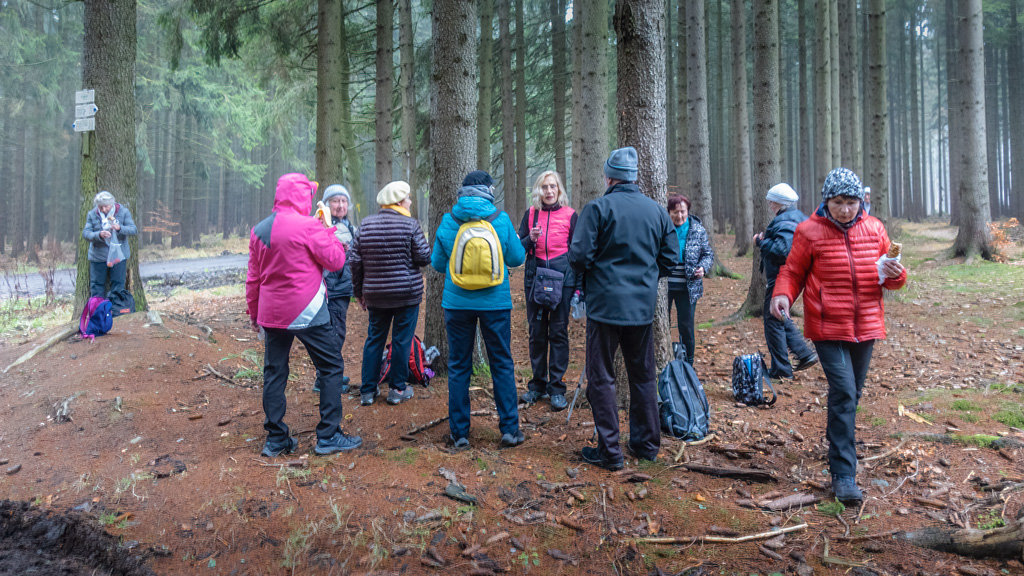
(304, 272)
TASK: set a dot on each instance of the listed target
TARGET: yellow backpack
(476, 260)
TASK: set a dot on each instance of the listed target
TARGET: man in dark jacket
(386, 259)
(775, 243)
(623, 243)
(339, 282)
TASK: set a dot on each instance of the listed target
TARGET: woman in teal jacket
(491, 307)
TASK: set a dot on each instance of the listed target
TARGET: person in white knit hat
(775, 242)
(386, 259)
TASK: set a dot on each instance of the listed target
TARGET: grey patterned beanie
(842, 182)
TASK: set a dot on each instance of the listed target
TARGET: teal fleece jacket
(496, 297)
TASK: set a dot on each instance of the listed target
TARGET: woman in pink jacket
(286, 298)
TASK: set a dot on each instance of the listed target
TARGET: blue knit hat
(622, 165)
(842, 182)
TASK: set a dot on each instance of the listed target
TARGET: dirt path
(194, 273)
(165, 452)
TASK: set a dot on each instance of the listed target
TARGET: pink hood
(288, 252)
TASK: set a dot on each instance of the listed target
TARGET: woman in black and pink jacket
(546, 232)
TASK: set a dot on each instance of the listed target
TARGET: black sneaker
(512, 440)
(530, 397)
(594, 456)
(273, 450)
(340, 442)
(558, 402)
(806, 363)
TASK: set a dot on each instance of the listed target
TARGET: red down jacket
(837, 272)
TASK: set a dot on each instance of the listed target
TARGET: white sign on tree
(85, 110)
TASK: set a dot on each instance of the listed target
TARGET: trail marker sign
(85, 96)
(85, 111)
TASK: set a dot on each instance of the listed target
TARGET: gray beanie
(842, 182)
(336, 190)
(104, 198)
(622, 165)
(782, 193)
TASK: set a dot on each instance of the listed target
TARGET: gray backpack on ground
(683, 405)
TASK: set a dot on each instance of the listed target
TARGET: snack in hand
(894, 250)
(323, 214)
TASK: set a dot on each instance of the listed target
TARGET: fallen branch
(885, 454)
(867, 536)
(1005, 542)
(408, 436)
(68, 331)
(214, 372)
(747, 474)
(718, 539)
(794, 501)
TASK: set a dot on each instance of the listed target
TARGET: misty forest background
(722, 98)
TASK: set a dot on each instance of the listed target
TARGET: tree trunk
(876, 107)
(766, 133)
(833, 82)
(486, 85)
(992, 126)
(954, 75)
(452, 135)
(558, 76)
(33, 175)
(407, 62)
(592, 114)
(682, 157)
(640, 29)
(353, 171)
(383, 150)
(822, 93)
(974, 236)
(108, 66)
(329, 100)
(508, 113)
(806, 184)
(741, 128)
(1016, 83)
(670, 97)
(849, 86)
(699, 171)
(521, 103)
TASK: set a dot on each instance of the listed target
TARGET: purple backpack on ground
(96, 318)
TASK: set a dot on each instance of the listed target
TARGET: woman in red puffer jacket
(834, 261)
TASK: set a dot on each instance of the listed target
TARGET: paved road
(205, 272)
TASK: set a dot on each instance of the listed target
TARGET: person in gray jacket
(106, 224)
(339, 282)
(623, 243)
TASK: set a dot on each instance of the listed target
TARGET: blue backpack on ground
(96, 318)
(684, 406)
(748, 372)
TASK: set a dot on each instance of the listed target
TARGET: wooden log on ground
(65, 333)
(747, 474)
(1005, 542)
(794, 501)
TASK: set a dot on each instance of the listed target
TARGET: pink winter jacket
(288, 252)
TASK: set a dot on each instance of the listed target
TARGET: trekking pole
(576, 395)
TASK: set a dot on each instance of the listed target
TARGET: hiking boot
(636, 454)
(558, 402)
(340, 442)
(594, 456)
(531, 397)
(460, 445)
(806, 363)
(845, 490)
(399, 396)
(273, 450)
(367, 398)
(510, 440)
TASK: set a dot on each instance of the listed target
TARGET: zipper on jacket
(853, 275)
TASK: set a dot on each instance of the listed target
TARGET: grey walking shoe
(399, 396)
(530, 397)
(845, 490)
(806, 363)
(367, 398)
(510, 440)
(558, 402)
(273, 450)
(340, 442)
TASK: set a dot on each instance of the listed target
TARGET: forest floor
(154, 432)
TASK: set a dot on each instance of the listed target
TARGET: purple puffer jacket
(386, 258)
